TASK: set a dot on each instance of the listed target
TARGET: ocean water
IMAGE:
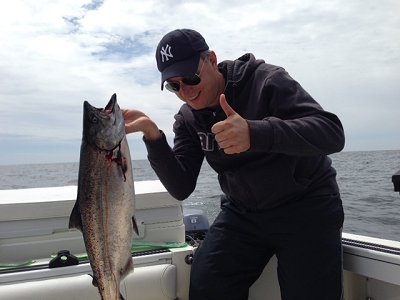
(365, 180)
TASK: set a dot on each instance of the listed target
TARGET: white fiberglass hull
(33, 224)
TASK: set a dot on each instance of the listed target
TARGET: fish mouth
(110, 107)
(102, 112)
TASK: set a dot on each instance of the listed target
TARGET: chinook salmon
(104, 209)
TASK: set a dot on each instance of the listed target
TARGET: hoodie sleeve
(177, 168)
(296, 124)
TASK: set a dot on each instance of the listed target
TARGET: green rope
(141, 247)
(16, 265)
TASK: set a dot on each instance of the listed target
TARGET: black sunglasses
(174, 87)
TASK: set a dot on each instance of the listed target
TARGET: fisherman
(268, 141)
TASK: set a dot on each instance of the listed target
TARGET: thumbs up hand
(232, 134)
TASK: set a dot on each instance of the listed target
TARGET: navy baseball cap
(178, 53)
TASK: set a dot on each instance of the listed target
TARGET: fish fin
(94, 281)
(75, 220)
(127, 268)
(134, 224)
(122, 162)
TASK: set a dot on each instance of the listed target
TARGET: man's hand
(232, 134)
(136, 121)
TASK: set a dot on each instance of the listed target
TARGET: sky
(56, 54)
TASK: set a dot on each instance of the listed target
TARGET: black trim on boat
(396, 181)
(150, 252)
(371, 246)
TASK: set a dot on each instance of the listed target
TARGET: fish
(104, 210)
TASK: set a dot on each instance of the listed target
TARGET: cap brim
(183, 68)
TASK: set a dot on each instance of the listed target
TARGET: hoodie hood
(237, 72)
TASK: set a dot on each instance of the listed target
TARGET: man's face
(204, 94)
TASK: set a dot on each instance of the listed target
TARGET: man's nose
(187, 90)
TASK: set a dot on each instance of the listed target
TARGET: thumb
(225, 106)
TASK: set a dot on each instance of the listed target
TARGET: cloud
(94, 5)
(55, 54)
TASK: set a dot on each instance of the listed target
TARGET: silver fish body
(104, 210)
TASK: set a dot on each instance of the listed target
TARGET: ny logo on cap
(166, 53)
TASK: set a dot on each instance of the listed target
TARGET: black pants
(305, 236)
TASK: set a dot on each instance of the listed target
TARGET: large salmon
(104, 209)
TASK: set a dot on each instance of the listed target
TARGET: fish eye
(94, 120)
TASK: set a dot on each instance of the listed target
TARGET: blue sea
(365, 180)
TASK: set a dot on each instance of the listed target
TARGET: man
(268, 140)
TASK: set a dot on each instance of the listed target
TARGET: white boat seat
(152, 283)
(156, 282)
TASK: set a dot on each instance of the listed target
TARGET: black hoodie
(290, 135)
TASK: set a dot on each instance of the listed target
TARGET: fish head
(103, 128)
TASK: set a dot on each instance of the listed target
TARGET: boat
(41, 258)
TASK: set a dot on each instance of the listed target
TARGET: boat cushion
(157, 282)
